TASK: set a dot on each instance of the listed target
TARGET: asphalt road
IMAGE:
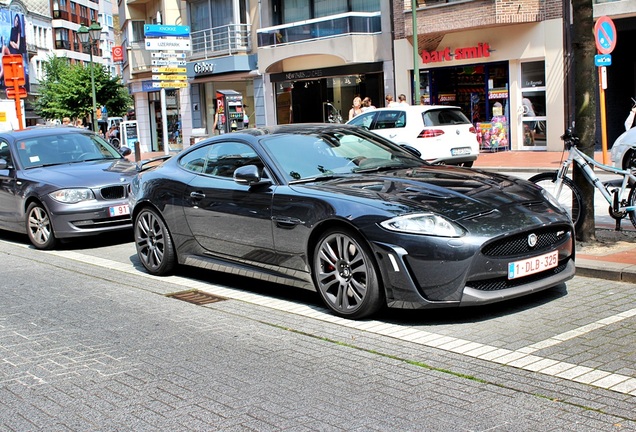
(88, 341)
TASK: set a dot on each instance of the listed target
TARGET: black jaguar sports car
(342, 211)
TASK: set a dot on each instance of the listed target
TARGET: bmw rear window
(444, 117)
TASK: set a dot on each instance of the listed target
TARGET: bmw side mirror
(3, 164)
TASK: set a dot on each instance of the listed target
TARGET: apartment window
(365, 5)
(137, 31)
(300, 10)
(208, 14)
(61, 39)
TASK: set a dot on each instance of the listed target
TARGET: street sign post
(14, 80)
(170, 41)
(605, 36)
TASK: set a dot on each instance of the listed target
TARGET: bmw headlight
(424, 223)
(72, 196)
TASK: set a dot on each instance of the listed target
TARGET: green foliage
(66, 91)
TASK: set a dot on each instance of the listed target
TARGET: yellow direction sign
(169, 84)
(170, 77)
(169, 70)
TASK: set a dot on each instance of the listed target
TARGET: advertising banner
(13, 40)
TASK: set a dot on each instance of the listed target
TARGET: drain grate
(195, 297)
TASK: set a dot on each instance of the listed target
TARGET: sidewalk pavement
(613, 263)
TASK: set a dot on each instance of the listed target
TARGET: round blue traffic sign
(605, 34)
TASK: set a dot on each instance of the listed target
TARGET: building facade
(502, 63)
(305, 60)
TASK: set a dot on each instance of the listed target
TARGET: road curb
(606, 270)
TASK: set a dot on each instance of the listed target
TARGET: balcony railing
(320, 28)
(223, 40)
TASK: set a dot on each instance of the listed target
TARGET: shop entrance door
(532, 110)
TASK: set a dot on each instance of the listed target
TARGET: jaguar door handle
(197, 195)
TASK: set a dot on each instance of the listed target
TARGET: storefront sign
(292, 76)
(203, 68)
(482, 50)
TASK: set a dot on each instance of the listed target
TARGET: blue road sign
(603, 60)
(605, 35)
(160, 30)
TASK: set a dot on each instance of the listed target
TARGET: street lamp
(89, 36)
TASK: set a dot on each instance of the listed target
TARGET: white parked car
(623, 152)
(440, 133)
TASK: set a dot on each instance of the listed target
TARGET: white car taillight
(430, 133)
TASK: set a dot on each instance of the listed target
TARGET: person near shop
(529, 127)
(422, 100)
(629, 122)
(389, 101)
(246, 118)
(367, 104)
(357, 107)
(402, 99)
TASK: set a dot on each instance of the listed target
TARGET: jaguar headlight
(72, 196)
(424, 223)
(551, 199)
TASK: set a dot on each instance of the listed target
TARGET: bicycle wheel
(569, 198)
(631, 201)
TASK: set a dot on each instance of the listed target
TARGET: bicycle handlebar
(570, 138)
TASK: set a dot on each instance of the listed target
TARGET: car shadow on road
(77, 243)
(397, 316)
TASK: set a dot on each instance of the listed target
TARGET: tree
(66, 90)
(585, 79)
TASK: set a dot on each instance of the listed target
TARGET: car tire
(346, 275)
(153, 242)
(629, 161)
(39, 227)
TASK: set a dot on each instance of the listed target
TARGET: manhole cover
(195, 297)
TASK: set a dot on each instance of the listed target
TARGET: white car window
(444, 117)
(390, 120)
(364, 120)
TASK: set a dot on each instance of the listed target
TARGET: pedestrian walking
(357, 107)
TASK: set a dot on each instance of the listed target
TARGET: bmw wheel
(345, 275)
(39, 227)
(154, 243)
(629, 161)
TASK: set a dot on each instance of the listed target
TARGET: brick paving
(90, 342)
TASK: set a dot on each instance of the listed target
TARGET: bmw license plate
(533, 265)
(460, 151)
(119, 210)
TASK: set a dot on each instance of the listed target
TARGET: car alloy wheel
(346, 276)
(154, 243)
(39, 227)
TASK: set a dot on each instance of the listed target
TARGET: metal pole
(93, 117)
(164, 122)
(416, 57)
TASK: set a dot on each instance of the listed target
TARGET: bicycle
(563, 188)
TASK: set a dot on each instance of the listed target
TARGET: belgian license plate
(460, 151)
(533, 265)
(119, 210)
